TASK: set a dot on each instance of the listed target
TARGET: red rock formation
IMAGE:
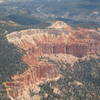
(79, 42)
(33, 76)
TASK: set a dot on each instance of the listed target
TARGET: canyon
(41, 47)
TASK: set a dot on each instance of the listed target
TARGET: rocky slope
(46, 52)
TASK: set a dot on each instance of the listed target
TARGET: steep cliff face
(59, 42)
(77, 42)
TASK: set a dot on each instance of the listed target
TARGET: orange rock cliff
(59, 41)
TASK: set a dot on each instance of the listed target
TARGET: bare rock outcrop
(60, 42)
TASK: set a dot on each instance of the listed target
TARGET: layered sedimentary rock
(60, 42)
(79, 43)
(29, 79)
